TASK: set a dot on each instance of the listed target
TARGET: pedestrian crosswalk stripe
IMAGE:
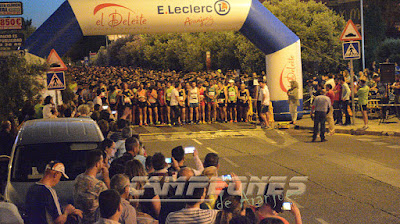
(365, 140)
(230, 162)
(394, 146)
(379, 143)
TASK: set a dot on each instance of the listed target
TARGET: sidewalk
(390, 128)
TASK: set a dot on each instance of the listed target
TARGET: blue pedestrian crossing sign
(351, 50)
(55, 81)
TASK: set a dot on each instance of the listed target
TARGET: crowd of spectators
(367, 85)
(120, 190)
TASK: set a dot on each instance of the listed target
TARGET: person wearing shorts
(211, 93)
(152, 105)
(127, 98)
(202, 104)
(182, 100)
(222, 99)
(167, 98)
(161, 101)
(232, 99)
(243, 102)
(194, 95)
(362, 92)
(264, 111)
(142, 102)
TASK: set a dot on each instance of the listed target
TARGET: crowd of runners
(144, 97)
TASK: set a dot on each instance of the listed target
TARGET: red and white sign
(350, 33)
(55, 62)
(14, 23)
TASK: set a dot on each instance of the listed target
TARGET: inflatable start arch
(77, 18)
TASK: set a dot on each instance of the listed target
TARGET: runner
(142, 103)
(182, 100)
(222, 101)
(167, 97)
(127, 97)
(161, 101)
(243, 102)
(152, 105)
(202, 108)
(211, 92)
(194, 95)
(232, 99)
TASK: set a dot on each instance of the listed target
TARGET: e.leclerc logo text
(221, 7)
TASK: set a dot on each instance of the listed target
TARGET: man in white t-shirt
(265, 99)
(330, 81)
(175, 103)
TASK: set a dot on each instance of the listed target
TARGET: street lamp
(362, 34)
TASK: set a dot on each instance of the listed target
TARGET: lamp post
(362, 34)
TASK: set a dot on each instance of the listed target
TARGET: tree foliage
(19, 83)
(319, 29)
(317, 26)
(389, 49)
(28, 28)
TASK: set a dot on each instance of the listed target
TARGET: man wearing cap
(42, 204)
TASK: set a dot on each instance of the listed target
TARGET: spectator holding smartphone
(272, 206)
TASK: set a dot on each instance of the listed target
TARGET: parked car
(40, 141)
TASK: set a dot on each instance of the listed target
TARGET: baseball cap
(57, 166)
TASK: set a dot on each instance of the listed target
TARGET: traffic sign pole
(351, 51)
(353, 106)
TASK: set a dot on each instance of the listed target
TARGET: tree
(28, 29)
(389, 14)
(317, 26)
(19, 83)
(319, 29)
(389, 49)
(374, 32)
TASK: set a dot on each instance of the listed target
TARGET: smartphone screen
(113, 112)
(189, 149)
(105, 107)
(226, 177)
(287, 206)
(168, 160)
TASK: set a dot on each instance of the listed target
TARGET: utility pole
(362, 34)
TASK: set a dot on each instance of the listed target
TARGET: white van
(40, 141)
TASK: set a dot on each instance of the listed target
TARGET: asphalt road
(351, 179)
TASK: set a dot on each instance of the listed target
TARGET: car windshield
(30, 160)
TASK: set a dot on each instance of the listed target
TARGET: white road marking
(394, 146)
(212, 150)
(365, 140)
(230, 162)
(321, 221)
(379, 143)
(197, 141)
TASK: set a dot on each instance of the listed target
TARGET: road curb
(358, 132)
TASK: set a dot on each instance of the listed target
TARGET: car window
(30, 160)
